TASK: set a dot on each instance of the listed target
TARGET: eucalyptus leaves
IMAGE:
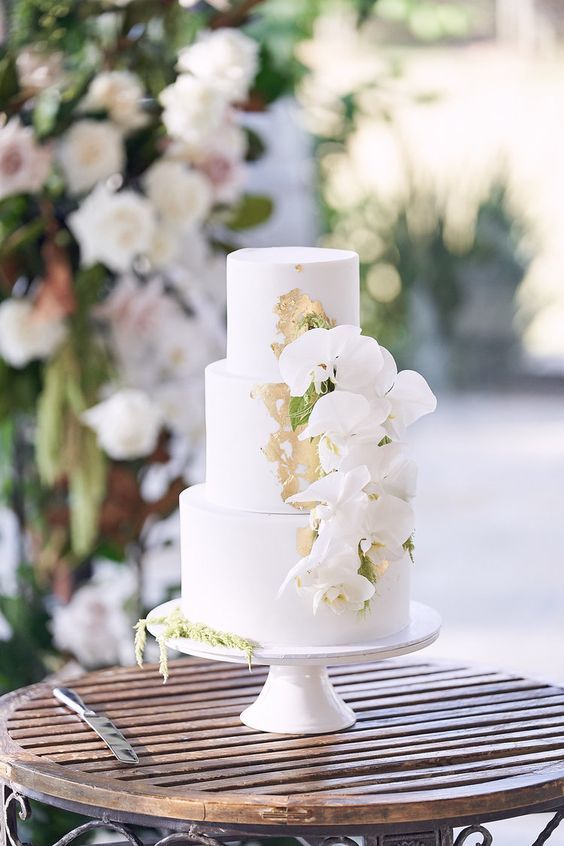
(348, 395)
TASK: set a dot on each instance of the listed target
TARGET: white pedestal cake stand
(298, 696)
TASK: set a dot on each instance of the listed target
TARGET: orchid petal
(300, 358)
(338, 411)
(411, 397)
(300, 567)
(357, 362)
(390, 519)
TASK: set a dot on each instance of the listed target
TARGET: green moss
(175, 625)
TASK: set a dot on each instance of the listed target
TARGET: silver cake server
(103, 727)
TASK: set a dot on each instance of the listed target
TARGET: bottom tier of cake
(233, 563)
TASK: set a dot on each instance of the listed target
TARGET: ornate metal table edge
(16, 806)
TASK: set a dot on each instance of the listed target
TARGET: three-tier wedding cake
(303, 531)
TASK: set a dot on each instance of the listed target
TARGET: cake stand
(298, 696)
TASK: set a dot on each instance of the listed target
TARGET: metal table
(436, 746)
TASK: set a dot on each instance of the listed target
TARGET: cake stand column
(298, 699)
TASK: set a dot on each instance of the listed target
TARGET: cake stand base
(298, 700)
(298, 696)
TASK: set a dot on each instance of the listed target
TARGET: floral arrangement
(123, 159)
(348, 397)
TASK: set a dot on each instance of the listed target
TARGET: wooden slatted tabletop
(433, 741)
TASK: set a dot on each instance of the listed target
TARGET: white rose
(113, 228)
(120, 94)
(182, 196)
(193, 110)
(90, 152)
(229, 143)
(25, 336)
(38, 70)
(94, 625)
(24, 165)
(127, 424)
(226, 59)
(164, 247)
(221, 160)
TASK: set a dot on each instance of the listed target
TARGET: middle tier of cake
(234, 562)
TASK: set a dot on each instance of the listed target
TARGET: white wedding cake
(303, 531)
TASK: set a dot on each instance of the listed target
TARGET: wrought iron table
(436, 747)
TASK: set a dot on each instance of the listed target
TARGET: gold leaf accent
(380, 568)
(291, 309)
(295, 460)
(304, 540)
(299, 268)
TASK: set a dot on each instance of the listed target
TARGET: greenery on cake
(176, 625)
(349, 399)
(314, 320)
(300, 408)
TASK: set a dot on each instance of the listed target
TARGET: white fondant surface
(234, 561)
(256, 279)
(238, 428)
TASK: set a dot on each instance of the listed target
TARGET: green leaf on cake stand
(176, 626)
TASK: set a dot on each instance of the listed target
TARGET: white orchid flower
(340, 588)
(325, 547)
(391, 470)
(341, 498)
(408, 393)
(330, 573)
(351, 361)
(389, 522)
(344, 419)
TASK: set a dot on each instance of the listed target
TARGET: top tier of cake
(256, 281)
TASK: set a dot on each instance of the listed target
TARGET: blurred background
(140, 141)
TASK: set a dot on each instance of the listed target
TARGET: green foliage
(26, 655)
(270, 83)
(143, 149)
(87, 486)
(55, 109)
(175, 625)
(65, 448)
(431, 266)
(46, 824)
(428, 20)
(300, 408)
(18, 389)
(255, 145)
(314, 321)
(409, 547)
(63, 25)
(9, 86)
(51, 409)
(251, 210)
(366, 568)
